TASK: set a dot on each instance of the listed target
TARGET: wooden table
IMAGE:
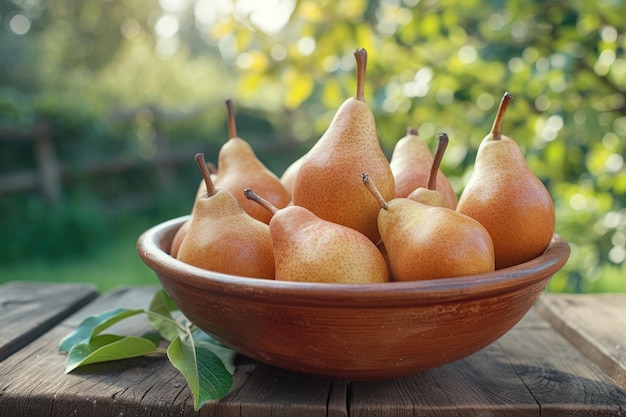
(566, 357)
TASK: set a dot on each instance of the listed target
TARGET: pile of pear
(344, 213)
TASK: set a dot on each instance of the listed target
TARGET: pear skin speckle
(222, 237)
(506, 197)
(329, 180)
(425, 242)
(309, 249)
(410, 163)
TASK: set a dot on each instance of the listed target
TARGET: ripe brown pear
(426, 242)
(288, 178)
(328, 181)
(182, 230)
(411, 162)
(239, 168)
(430, 194)
(178, 238)
(310, 249)
(222, 237)
(506, 197)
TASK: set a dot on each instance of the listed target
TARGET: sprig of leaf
(206, 364)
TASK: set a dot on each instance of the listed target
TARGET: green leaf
(162, 300)
(95, 324)
(107, 347)
(225, 354)
(155, 338)
(204, 371)
(162, 305)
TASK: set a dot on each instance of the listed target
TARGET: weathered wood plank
(532, 370)
(27, 310)
(32, 381)
(595, 324)
(338, 400)
(147, 386)
(529, 371)
(560, 378)
(271, 391)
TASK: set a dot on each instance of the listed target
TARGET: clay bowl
(351, 332)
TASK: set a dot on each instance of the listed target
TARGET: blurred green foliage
(437, 65)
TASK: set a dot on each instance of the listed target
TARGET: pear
(310, 249)
(505, 195)
(426, 242)
(178, 238)
(222, 237)
(431, 195)
(410, 163)
(239, 167)
(288, 178)
(328, 181)
(182, 230)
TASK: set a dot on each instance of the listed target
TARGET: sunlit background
(104, 102)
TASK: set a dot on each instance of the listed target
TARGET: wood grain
(33, 382)
(529, 371)
(29, 309)
(595, 324)
(271, 391)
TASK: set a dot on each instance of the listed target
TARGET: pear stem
(442, 144)
(371, 187)
(361, 65)
(251, 195)
(411, 131)
(211, 167)
(206, 174)
(496, 129)
(232, 126)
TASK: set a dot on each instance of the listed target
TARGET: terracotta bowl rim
(153, 244)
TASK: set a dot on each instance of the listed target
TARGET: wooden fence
(49, 173)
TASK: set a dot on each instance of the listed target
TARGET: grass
(112, 265)
(82, 240)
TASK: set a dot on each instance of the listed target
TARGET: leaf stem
(179, 324)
